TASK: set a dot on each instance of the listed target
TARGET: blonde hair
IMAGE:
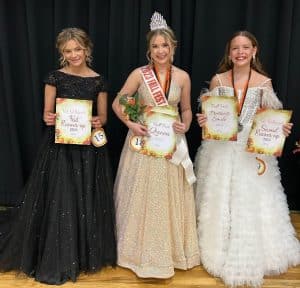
(168, 35)
(78, 35)
(256, 64)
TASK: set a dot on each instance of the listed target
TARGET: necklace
(164, 86)
(241, 100)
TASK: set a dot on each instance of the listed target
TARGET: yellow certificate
(266, 135)
(222, 117)
(161, 141)
(73, 121)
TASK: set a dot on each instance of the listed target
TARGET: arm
(49, 105)
(130, 87)
(183, 126)
(270, 100)
(100, 120)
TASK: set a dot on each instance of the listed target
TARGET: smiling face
(161, 50)
(241, 51)
(74, 53)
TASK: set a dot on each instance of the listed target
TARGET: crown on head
(158, 22)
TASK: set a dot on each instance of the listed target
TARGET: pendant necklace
(164, 86)
(241, 100)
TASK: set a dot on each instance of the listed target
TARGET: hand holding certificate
(222, 118)
(161, 141)
(266, 135)
(73, 121)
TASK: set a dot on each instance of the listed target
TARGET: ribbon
(181, 155)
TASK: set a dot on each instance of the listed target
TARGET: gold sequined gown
(155, 210)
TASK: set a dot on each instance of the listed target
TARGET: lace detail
(76, 87)
(249, 211)
(65, 222)
(266, 81)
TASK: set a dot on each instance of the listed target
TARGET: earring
(253, 58)
(229, 61)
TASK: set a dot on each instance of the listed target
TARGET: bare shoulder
(259, 79)
(136, 71)
(214, 82)
(219, 80)
(180, 76)
(135, 74)
(180, 72)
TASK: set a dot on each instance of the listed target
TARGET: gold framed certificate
(222, 118)
(161, 141)
(73, 121)
(266, 135)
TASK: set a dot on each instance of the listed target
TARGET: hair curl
(78, 35)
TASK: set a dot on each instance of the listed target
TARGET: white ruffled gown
(243, 221)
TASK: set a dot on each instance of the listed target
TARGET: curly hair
(78, 35)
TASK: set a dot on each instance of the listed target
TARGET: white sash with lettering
(153, 86)
(181, 155)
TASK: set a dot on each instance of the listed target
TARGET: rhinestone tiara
(158, 22)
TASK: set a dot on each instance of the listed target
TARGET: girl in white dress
(243, 219)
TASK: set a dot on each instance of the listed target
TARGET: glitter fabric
(65, 223)
(156, 224)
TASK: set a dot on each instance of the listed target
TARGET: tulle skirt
(243, 219)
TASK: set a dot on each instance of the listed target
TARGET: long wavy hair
(226, 64)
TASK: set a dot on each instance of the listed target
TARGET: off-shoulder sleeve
(269, 97)
(50, 79)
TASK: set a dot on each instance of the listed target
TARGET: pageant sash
(153, 86)
(181, 155)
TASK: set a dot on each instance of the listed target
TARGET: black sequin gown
(65, 223)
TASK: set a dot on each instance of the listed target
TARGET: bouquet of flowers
(133, 110)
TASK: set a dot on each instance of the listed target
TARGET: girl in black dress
(65, 223)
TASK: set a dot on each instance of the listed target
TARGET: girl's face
(241, 51)
(161, 50)
(74, 53)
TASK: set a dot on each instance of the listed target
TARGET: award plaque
(73, 121)
(161, 139)
(222, 118)
(266, 135)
